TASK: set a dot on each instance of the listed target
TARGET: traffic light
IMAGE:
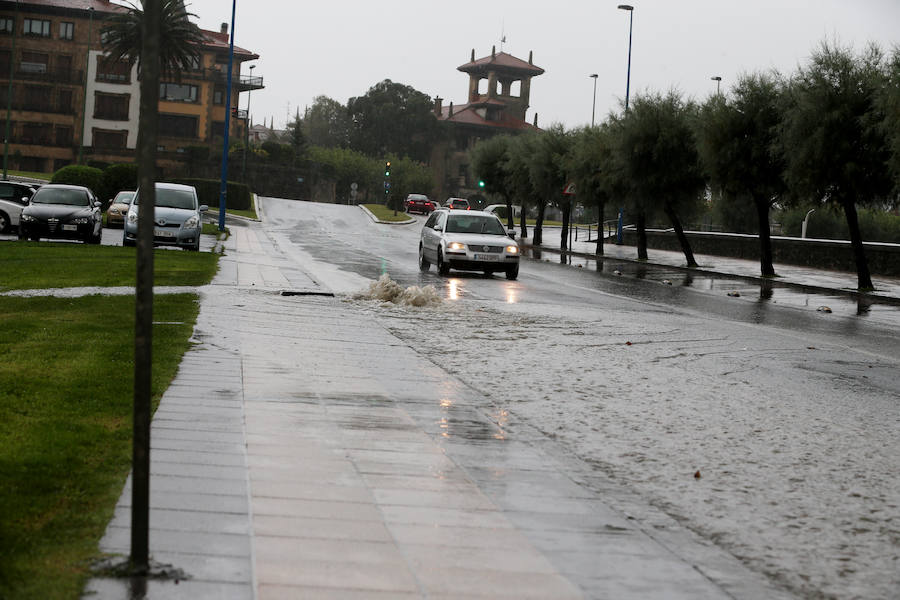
(481, 183)
(387, 169)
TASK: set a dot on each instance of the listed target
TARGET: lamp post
(630, 10)
(718, 81)
(247, 143)
(12, 73)
(594, 105)
(223, 186)
(87, 64)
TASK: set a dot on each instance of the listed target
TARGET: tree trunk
(510, 223)
(539, 225)
(564, 236)
(682, 239)
(864, 278)
(523, 225)
(767, 269)
(640, 223)
(143, 327)
(600, 207)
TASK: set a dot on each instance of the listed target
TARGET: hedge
(88, 177)
(119, 177)
(238, 195)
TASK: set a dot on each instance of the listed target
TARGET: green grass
(66, 374)
(383, 213)
(213, 229)
(250, 213)
(31, 175)
(38, 265)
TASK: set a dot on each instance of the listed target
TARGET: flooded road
(762, 423)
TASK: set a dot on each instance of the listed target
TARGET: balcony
(40, 72)
(242, 83)
(41, 106)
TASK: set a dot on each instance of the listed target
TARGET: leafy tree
(735, 138)
(278, 153)
(657, 154)
(408, 177)
(547, 173)
(489, 159)
(327, 123)
(834, 149)
(587, 164)
(348, 167)
(888, 102)
(392, 118)
(295, 138)
(521, 188)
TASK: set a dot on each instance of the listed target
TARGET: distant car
(14, 197)
(500, 211)
(176, 217)
(467, 241)
(59, 211)
(118, 209)
(419, 203)
(457, 204)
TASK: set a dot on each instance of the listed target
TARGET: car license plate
(487, 257)
(163, 233)
(70, 227)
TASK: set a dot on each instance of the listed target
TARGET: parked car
(118, 209)
(500, 211)
(176, 217)
(14, 197)
(419, 203)
(457, 203)
(59, 211)
(468, 241)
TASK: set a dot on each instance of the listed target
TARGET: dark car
(58, 211)
(419, 203)
(14, 197)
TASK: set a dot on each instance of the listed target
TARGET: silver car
(468, 240)
(176, 217)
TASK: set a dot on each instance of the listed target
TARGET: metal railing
(591, 232)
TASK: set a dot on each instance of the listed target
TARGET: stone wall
(884, 259)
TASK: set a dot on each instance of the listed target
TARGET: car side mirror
(96, 204)
(203, 208)
(25, 199)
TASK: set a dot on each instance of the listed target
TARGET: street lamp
(630, 10)
(718, 81)
(594, 105)
(9, 91)
(87, 64)
(805, 221)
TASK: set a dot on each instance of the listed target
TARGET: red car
(419, 203)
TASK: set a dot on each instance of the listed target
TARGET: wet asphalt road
(346, 237)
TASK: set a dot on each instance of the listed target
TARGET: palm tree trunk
(864, 278)
(767, 269)
(523, 225)
(510, 223)
(539, 224)
(143, 329)
(641, 224)
(566, 214)
(600, 207)
(682, 239)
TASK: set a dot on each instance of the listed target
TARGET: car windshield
(124, 197)
(169, 198)
(474, 224)
(67, 197)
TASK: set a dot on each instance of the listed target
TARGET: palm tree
(160, 39)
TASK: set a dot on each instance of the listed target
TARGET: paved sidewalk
(305, 452)
(886, 287)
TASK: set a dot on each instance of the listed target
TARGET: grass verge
(250, 214)
(383, 213)
(66, 381)
(39, 265)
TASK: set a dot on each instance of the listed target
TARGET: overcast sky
(340, 48)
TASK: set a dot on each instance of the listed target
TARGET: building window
(37, 98)
(110, 139)
(177, 92)
(113, 71)
(178, 126)
(63, 136)
(66, 30)
(65, 102)
(217, 129)
(34, 62)
(219, 96)
(113, 107)
(6, 26)
(37, 133)
(37, 27)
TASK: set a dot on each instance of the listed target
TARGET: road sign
(353, 186)
(569, 190)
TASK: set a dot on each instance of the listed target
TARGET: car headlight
(512, 249)
(192, 222)
(456, 246)
(27, 218)
(80, 220)
(132, 218)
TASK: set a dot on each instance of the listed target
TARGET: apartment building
(70, 104)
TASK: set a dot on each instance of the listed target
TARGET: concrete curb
(856, 294)
(377, 220)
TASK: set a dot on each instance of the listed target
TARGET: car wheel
(442, 267)
(195, 247)
(126, 242)
(4, 222)
(512, 272)
(424, 265)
